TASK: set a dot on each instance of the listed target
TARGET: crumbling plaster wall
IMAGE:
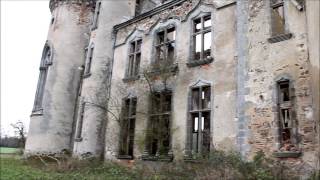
(95, 88)
(50, 131)
(220, 73)
(267, 63)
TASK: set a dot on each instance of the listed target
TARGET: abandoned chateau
(167, 80)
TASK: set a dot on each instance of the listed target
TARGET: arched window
(46, 61)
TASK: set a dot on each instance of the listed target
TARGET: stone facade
(92, 79)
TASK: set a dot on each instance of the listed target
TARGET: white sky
(24, 28)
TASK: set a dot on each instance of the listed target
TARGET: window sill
(163, 158)
(78, 139)
(38, 112)
(287, 154)
(194, 63)
(125, 157)
(279, 38)
(130, 79)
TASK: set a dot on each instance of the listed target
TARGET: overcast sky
(24, 28)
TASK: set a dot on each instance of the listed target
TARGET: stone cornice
(147, 14)
(55, 3)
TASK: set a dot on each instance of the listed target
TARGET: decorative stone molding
(55, 3)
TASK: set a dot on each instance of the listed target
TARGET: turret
(52, 118)
(92, 113)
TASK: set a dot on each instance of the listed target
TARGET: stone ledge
(287, 154)
(38, 112)
(279, 38)
(125, 157)
(130, 79)
(163, 158)
(194, 63)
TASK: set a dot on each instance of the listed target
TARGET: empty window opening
(46, 61)
(80, 120)
(200, 119)
(89, 53)
(159, 138)
(134, 58)
(128, 128)
(138, 7)
(285, 109)
(202, 38)
(165, 45)
(277, 17)
(96, 15)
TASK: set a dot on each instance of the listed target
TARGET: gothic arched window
(46, 61)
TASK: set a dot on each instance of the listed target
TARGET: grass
(218, 165)
(17, 169)
(6, 150)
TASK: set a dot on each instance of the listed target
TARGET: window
(127, 128)
(285, 109)
(96, 15)
(46, 61)
(138, 7)
(159, 127)
(165, 45)
(134, 59)
(199, 114)
(277, 17)
(202, 38)
(89, 52)
(80, 116)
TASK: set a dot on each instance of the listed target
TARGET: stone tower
(92, 113)
(52, 119)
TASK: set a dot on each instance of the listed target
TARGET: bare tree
(20, 130)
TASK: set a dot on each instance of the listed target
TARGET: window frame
(127, 115)
(199, 112)
(203, 30)
(96, 16)
(166, 155)
(46, 61)
(88, 63)
(165, 44)
(80, 117)
(274, 38)
(136, 64)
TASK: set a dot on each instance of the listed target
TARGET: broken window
(96, 15)
(127, 128)
(202, 38)
(200, 119)
(277, 17)
(134, 58)
(87, 70)
(165, 45)
(159, 139)
(285, 107)
(46, 61)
